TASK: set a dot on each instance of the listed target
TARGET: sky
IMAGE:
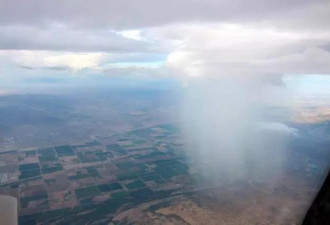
(263, 39)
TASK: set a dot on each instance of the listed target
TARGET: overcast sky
(214, 38)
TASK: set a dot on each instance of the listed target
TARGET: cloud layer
(129, 14)
(198, 36)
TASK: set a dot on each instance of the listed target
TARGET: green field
(47, 155)
(135, 185)
(25, 200)
(64, 150)
(29, 173)
(87, 192)
(30, 166)
(51, 169)
(110, 187)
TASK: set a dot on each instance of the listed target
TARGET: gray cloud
(54, 68)
(136, 71)
(128, 14)
(66, 39)
(90, 26)
(274, 36)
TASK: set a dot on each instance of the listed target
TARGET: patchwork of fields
(99, 178)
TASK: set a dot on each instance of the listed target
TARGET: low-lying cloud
(228, 137)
